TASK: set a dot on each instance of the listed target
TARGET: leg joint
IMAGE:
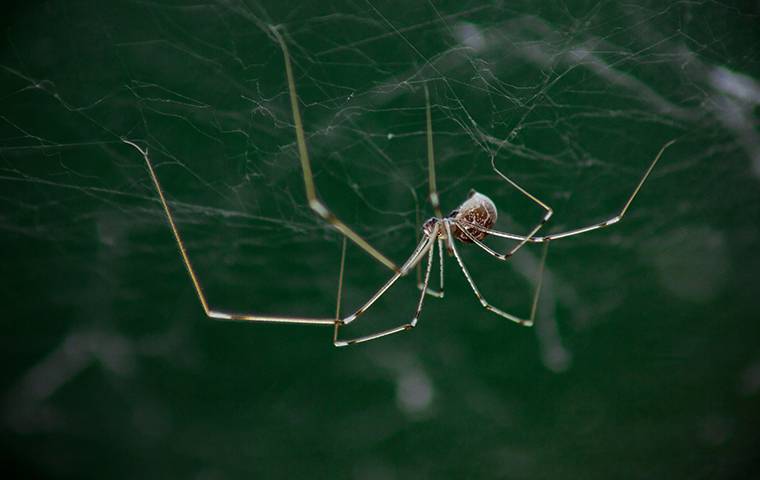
(613, 220)
(319, 208)
(351, 317)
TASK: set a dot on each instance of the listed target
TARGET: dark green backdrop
(644, 363)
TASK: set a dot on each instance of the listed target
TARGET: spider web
(572, 100)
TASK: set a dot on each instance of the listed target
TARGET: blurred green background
(645, 360)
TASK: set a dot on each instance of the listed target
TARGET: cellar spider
(471, 222)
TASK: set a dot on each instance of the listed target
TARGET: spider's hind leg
(430, 291)
(485, 303)
(426, 247)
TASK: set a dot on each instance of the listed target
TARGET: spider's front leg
(426, 246)
(210, 311)
(440, 291)
(315, 203)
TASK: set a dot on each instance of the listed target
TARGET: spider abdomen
(478, 210)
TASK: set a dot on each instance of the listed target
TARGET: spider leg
(416, 256)
(502, 257)
(340, 282)
(497, 233)
(413, 260)
(434, 200)
(547, 215)
(606, 223)
(311, 192)
(615, 219)
(431, 291)
(461, 224)
(211, 312)
(526, 322)
(440, 260)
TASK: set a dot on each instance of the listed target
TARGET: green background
(645, 360)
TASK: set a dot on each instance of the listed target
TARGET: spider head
(429, 225)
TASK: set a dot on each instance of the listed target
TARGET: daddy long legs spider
(469, 223)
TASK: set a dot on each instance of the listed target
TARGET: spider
(469, 223)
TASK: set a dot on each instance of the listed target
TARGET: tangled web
(572, 106)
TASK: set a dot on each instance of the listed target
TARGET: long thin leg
(211, 312)
(311, 192)
(407, 326)
(504, 258)
(440, 260)
(340, 290)
(606, 223)
(434, 200)
(539, 283)
(414, 258)
(435, 293)
(547, 215)
(483, 301)
(462, 227)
